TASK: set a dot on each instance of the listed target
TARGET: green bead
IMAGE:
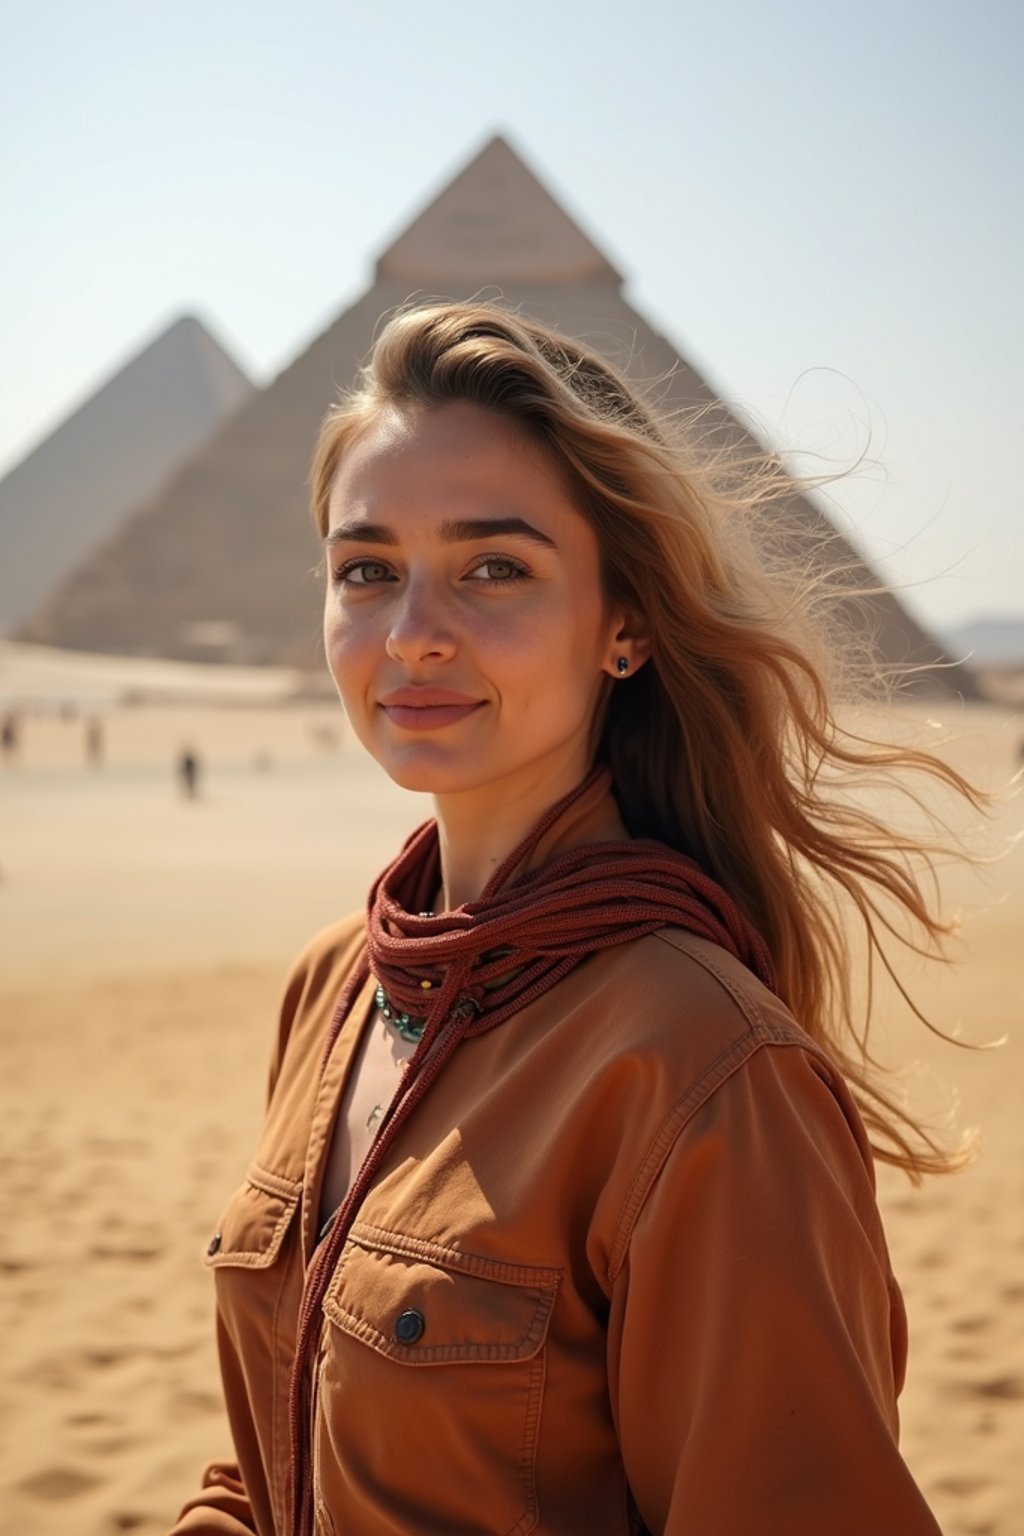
(403, 1024)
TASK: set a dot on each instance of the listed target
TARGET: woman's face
(465, 624)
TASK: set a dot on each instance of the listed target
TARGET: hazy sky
(821, 205)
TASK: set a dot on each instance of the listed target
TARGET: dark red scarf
(485, 962)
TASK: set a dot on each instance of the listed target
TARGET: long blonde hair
(725, 744)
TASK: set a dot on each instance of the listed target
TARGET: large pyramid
(114, 452)
(222, 562)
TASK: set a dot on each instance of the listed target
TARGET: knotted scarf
(484, 962)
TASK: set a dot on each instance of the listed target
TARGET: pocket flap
(423, 1304)
(252, 1228)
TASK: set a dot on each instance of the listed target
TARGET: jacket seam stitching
(528, 1452)
(750, 1010)
(714, 1076)
(728, 1061)
(380, 1239)
(275, 1395)
(273, 1183)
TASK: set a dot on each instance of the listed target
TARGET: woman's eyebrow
(360, 533)
(466, 530)
(458, 531)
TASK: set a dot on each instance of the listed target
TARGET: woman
(563, 1216)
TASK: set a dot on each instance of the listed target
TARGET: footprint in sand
(961, 1352)
(204, 1169)
(113, 1445)
(1007, 1389)
(137, 1255)
(55, 1483)
(87, 1420)
(970, 1324)
(185, 1405)
(1003, 1389)
(52, 1375)
(175, 1351)
(932, 1258)
(962, 1485)
(102, 1358)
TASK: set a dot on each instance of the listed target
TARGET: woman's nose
(420, 628)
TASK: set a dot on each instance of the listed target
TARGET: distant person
(563, 1216)
(94, 741)
(188, 772)
(325, 737)
(10, 736)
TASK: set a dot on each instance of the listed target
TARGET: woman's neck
(474, 845)
(478, 831)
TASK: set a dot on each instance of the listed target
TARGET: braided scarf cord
(484, 962)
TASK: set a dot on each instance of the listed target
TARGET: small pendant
(375, 1116)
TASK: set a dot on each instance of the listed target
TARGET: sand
(145, 939)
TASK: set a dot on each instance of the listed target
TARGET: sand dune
(145, 942)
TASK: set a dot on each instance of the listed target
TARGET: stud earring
(623, 666)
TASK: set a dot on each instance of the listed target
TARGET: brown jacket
(633, 1239)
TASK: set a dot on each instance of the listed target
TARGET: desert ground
(145, 940)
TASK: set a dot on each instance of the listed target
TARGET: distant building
(221, 564)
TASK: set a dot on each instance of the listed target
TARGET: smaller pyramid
(118, 449)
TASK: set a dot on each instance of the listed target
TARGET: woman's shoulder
(727, 1066)
(315, 982)
(330, 954)
(724, 985)
(675, 978)
(665, 1021)
(684, 1013)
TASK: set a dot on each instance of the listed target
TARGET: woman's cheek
(520, 636)
(347, 664)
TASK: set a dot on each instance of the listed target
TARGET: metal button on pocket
(410, 1326)
(214, 1244)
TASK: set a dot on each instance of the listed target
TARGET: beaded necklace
(406, 1025)
(402, 1023)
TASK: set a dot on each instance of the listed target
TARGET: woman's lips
(428, 717)
(425, 707)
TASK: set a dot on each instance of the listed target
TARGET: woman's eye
(362, 573)
(499, 569)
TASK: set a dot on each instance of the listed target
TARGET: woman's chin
(426, 774)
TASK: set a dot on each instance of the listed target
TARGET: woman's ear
(630, 644)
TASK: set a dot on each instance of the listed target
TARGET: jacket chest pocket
(245, 1252)
(252, 1228)
(430, 1389)
(258, 1285)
